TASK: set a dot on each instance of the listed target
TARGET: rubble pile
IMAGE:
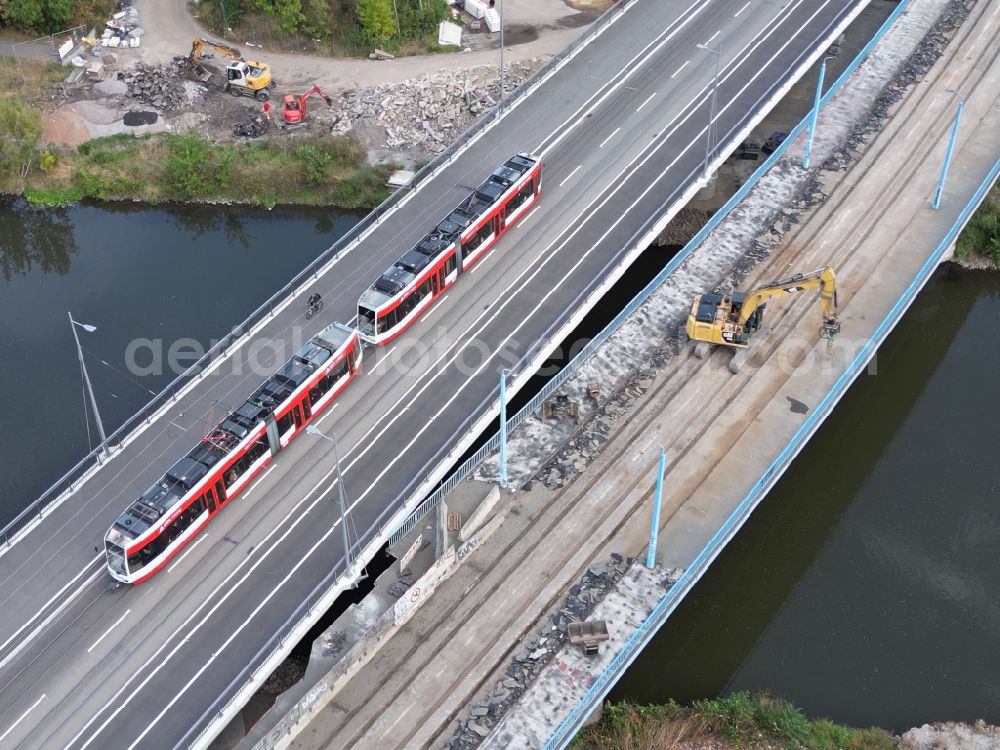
(429, 111)
(536, 650)
(159, 86)
(929, 49)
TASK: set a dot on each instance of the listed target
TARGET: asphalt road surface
(622, 131)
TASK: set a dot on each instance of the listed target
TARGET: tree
(288, 12)
(376, 18)
(20, 130)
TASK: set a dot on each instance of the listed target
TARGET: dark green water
(165, 273)
(866, 587)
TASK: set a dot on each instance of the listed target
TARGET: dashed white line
(384, 358)
(745, 6)
(187, 552)
(108, 631)
(712, 38)
(434, 309)
(606, 140)
(328, 412)
(531, 213)
(21, 718)
(260, 479)
(686, 63)
(648, 99)
(570, 175)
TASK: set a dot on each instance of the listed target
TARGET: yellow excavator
(243, 77)
(730, 321)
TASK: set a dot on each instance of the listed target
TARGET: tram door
(273, 438)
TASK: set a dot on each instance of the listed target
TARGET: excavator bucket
(201, 72)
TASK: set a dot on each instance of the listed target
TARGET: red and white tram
(174, 510)
(412, 283)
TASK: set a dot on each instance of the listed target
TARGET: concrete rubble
(549, 674)
(536, 651)
(554, 451)
(159, 86)
(429, 111)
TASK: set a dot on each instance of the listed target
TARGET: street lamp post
(500, 103)
(815, 114)
(342, 494)
(712, 110)
(947, 155)
(654, 526)
(86, 380)
(503, 427)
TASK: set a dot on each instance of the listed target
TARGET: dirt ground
(533, 29)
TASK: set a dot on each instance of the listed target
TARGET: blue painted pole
(814, 116)
(654, 527)
(947, 155)
(503, 428)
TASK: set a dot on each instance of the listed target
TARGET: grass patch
(740, 720)
(53, 197)
(981, 235)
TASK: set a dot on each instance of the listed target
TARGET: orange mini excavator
(295, 105)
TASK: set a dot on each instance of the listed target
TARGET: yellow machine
(730, 321)
(243, 77)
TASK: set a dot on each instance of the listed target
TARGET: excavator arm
(198, 47)
(823, 279)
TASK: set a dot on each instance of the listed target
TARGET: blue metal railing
(630, 650)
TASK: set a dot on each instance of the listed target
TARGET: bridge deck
(86, 667)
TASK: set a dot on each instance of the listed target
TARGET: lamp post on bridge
(503, 427)
(86, 379)
(712, 109)
(654, 526)
(951, 147)
(342, 494)
(814, 116)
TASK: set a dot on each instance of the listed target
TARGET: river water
(155, 273)
(865, 588)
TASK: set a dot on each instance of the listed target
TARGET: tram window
(366, 320)
(450, 264)
(339, 370)
(285, 423)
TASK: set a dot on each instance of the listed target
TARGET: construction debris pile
(429, 111)
(121, 30)
(159, 86)
(536, 650)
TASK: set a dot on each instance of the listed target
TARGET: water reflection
(32, 238)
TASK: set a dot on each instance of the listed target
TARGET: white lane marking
(686, 63)
(108, 631)
(524, 221)
(648, 100)
(46, 605)
(712, 38)
(21, 718)
(385, 358)
(329, 411)
(366, 445)
(188, 551)
(219, 595)
(613, 133)
(434, 309)
(646, 54)
(547, 255)
(697, 6)
(55, 613)
(570, 175)
(260, 479)
(745, 6)
(182, 429)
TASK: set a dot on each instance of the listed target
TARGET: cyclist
(315, 299)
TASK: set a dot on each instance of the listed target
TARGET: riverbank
(759, 722)
(978, 246)
(153, 169)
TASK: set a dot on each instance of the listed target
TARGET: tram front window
(116, 558)
(366, 321)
